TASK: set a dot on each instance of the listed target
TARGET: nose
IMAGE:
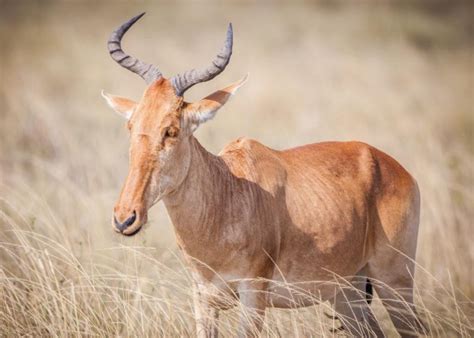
(129, 221)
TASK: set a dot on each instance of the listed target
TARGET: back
(325, 195)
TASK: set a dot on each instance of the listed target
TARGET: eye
(171, 132)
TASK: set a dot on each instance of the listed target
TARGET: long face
(157, 139)
(161, 125)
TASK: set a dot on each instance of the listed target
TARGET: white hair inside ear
(205, 109)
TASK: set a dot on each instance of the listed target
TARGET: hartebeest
(252, 217)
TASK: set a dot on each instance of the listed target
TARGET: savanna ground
(396, 75)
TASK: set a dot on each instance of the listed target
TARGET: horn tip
(230, 33)
(139, 16)
(136, 18)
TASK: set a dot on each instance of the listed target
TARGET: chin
(136, 231)
(130, 234)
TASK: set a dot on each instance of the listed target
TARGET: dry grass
(398, 77)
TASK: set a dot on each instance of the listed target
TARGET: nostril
(118, 225)
(131, 219)
(122, 226)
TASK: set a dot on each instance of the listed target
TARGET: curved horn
(183, 82)
(147, 71)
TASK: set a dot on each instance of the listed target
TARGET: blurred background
(396, 74)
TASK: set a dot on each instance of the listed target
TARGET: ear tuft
(106, 96)
(121, 105)
(236, 86)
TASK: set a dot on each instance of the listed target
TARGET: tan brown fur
(313, 213)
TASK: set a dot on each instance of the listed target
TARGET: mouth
(133, 233)
(129, 232)
(131, 226)
(134, 226)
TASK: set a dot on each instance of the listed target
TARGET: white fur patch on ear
(205, 109)
(123, 106)
(205, 115)
(240, 83)
(200, 116)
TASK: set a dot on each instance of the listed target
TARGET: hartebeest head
(160, 126)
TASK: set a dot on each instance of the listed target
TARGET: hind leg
(392, 267)
(392, 275)
(353, 310)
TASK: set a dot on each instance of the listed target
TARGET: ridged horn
(147, 71)
(183, 82)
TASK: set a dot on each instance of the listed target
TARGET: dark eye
(171, 132)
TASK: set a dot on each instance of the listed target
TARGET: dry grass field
(399, 76)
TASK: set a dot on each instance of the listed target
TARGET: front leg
(205, 314)
(253, 300)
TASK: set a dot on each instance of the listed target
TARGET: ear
(205, 109)
(121, 105)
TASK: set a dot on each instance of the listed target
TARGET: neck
(193, 205)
